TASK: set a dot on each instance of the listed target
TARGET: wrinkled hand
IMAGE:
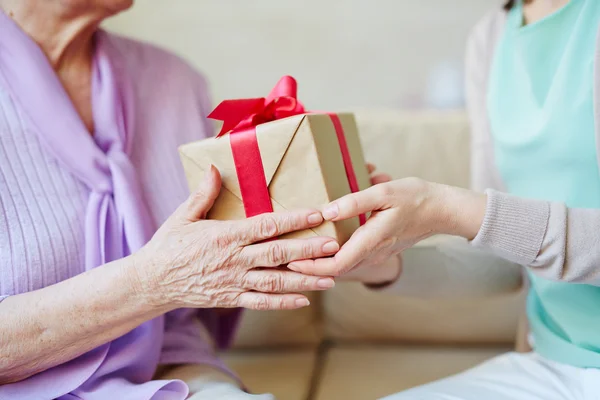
(193, 262)
(403, 212)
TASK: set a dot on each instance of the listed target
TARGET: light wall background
(346, 54)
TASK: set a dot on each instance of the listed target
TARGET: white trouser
(513, 376)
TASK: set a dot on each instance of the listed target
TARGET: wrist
(143, 285)
(460, 211)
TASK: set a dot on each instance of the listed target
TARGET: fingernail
(330, 212)
(331, 247)
(326, 283)
(315, 218)
(302, 303)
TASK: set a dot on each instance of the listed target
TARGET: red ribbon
(240, 118)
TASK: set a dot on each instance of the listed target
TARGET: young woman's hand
(403, 212)
(379, 270)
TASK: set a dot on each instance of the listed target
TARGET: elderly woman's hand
(403, 212)
(193, 262)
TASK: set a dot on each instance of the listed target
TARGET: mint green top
(541, 111)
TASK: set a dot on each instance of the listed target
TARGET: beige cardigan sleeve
(555, 242)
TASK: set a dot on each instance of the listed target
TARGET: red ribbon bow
(240, 118)
(242, 114)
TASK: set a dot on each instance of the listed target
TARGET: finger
(279, 252)
(270, 225)
(201, 201)
(354, 204)
(366, 240)
(371, 168)
(380, 178)
(264, 301)
(278, 281)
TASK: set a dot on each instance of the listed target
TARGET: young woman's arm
(553, 241)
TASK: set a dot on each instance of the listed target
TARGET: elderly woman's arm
(190, 262)
(47, 327)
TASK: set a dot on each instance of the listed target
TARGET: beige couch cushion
(287, 374)
(356, 313)
(359, 373)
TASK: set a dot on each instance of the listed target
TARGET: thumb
(353, 205)
(201, 201)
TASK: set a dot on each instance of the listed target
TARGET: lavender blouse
(70, 202)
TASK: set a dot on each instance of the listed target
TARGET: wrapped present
(275, 156)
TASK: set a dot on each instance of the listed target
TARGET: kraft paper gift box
(303, 159)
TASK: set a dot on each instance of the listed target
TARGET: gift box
(275, 156)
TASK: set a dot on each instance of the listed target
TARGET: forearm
(50, 326)
(455, 211)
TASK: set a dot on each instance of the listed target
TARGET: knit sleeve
(555, 242)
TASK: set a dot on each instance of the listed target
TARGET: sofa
(452, 311)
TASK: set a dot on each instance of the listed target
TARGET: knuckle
(276, 254)
(245, 282)
(306, 283)
(340, 269)
(261, 303)
(282, 304)
(271, 283)
(222, 240)
(384, 244)
(196, 197)
(383, 190)
(417, 184)
(267, 227)
(307, 250)
(227, 300)
(351, 203)
(338, 272)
